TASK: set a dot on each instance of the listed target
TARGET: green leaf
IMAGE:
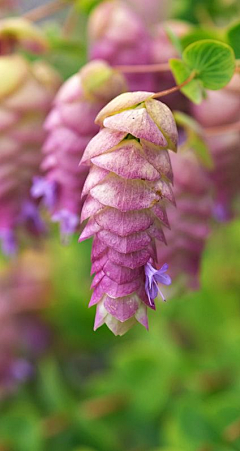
(86, 6)
(181, 72)
(199, 33)
(233, 37)
(202, 151)
(187, 122)
(214, 62)
(174, 39)
(194, 139)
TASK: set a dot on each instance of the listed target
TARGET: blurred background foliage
(175, 388)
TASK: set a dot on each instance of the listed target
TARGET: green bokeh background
(176, 387)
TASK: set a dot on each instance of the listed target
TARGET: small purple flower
(221, 212)
(21, 370)
(68, 223)
(8, 241)
(30, 217)
(153, 278)
(45, 189)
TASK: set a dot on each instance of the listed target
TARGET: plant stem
(226, 128)
(175, 88)
(45, 10)
(143, 68)
(70, 22)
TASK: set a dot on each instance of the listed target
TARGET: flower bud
(19, 32)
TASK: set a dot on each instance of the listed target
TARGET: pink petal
(160, 211)
(155, 231)
(90, 229)
(163, 117)
(141, 315)
(159, 158)
(138, 123)
(124, 223)
(123, 101)
(97, 278)
(130, 243)
(106, 139)
(128, 161)
(132, 260)
(115, 290)
(124, 194)
(101, 314)
(95, 176)
(121, 274)
(90, 207)
(98, 248)
(99, 263)
(122, 308)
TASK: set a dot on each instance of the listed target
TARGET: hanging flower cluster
(26, 93)
(70, 126)
(221, 108)
(118, 35)
(127, 187)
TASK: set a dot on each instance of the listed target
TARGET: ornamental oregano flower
(218, 109)
(190, 221)
(70, 126)
(127, 188)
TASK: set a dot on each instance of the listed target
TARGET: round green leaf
(214, 62)
(199, 33)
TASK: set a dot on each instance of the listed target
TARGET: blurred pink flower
(119, 36)
(190, 221)
(26, 94)
(222, 108)
(70, 126)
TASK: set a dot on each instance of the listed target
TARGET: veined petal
(127, 161)
(124, 223)
(122, 102)
(138, 123)
(105, 140)
(124, 194)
